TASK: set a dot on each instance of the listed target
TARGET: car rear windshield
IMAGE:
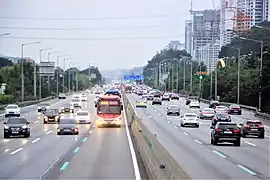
(190, 115)
(222, 115)
(17, 121)
(235, 106)
(67, 121)
(173, 107)
(256, 123)
(75, 100)
(227, 126)
(12, 107)
(208, 110)
(82, 113)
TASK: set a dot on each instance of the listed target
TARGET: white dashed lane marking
(18, 150)
(36, 140)
(249, 143)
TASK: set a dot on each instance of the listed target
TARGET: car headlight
(45, 117)
(6, 127)
(24, 126)
(47, 107)
(62, 108)
(39, 107)
(56, 117)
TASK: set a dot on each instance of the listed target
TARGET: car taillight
(236, 130)
(246, 126)
(218, 130)
(261, 126)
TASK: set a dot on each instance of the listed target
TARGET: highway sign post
(46, 68)
(133, 77)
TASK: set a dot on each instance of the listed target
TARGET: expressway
(93, 154)
(191, 147)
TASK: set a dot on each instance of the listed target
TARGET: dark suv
(226, 132)
(221, 117)
(16, 126)
(252, 127)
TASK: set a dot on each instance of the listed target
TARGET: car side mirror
(212, 127)
(5, 122)
(27, 122)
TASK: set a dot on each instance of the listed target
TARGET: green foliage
(4, 99)
(5, 62)
(83, 81)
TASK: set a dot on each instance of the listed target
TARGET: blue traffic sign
(133, 77)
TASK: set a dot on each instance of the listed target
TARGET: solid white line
(6, 150)
(250, 143)
(200, 122)
(186, 134)
(132, 151)
(219, 154)
(247, 170)
(36, 122)
(18, 150)
(36, 140)
(49, 132)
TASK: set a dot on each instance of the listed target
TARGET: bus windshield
(106, 109)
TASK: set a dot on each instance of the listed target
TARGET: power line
(92, 18)
(94, 39)
(87, 29)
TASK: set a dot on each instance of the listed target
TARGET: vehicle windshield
(255, 123)
(208, 110)
(235, 106)
(191, 115)
(67, 121)
(75, 100)
(82, 113)
(227, 126)
(173, 107)
(222, 115)
(221, 108)
(12, 107)
(105, 109)
(52, 111)
(17, 121)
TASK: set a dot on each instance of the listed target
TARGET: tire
(237, 142)
(45, 122)
(58, 133)
(261, 136)
(178, 114)
(168, 113)
(182, 125)
(6, 115)
(27, 135)
(215, 141)
(212, 142)
(244, 135)
(197, 126)
(240, 113)
(119, 126)
(6, 136)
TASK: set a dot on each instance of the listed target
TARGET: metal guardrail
(250, 108)
(158, 162)
(28, 103)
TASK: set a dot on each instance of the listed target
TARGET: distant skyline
(110, 34)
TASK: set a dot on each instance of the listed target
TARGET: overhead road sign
(46, 68)
(133, 77)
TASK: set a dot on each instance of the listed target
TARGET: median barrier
(250, 108)
(158, 162)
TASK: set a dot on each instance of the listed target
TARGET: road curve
(94, 153)
(191, 147)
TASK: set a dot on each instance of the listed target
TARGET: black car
(67, 108)
(188, 101)
(173, 109)
(16, 126)
(252, 127)
(51, 115)
(214, 104)
(150, 98)
(43, 107)
(67, 125)
(225, 132)
(221, 117)
(174, 97)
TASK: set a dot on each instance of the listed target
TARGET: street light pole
(260, 69)
(57, 73)
(22, 67)
(49, 78)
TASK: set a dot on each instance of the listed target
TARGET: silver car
(173, 109)
(207, 113)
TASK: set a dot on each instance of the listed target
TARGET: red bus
(109, 110)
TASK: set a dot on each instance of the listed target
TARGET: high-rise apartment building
(188, 36)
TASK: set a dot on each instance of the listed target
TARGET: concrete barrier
(158, 162)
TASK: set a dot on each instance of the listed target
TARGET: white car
(83, 117)
(189, 119)
(12, 110)
(76, 96)
(76, 103)
(84, 98)
(194, 104)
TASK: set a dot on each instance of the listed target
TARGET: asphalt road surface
(191, 147)
(93, 154)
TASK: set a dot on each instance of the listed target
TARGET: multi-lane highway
(191, 147)
(94, 154)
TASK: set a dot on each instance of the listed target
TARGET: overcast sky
(116, 33)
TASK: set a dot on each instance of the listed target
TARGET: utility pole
(184, 78)
(57, 76)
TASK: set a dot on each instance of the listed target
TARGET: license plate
(227, 132)
(15, 132)
(66, 130)
(254, 129)
(235, 111)
(223, 119)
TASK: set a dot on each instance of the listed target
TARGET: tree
(5, 62)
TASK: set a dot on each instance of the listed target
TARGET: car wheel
(215, 141)
(45, 122)
(58, 133)
(237, 142)
(182, 125)
(261, 136)
(27, 135)
(244, 135)
(197, 125)
(178, 114)
(240, 113)
(6, 135)
(6, 115)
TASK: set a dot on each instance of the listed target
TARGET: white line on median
(197, 141)
(36, 122)
(6, 150)
(36, 140)
(186, 134)
(250, 143)
(49, 132)
(18, 150)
